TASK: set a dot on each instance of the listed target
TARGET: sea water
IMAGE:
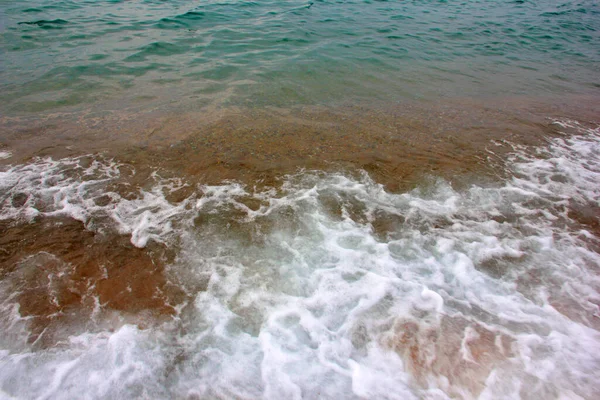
(64, 53)
(299, 199)
(488, 292)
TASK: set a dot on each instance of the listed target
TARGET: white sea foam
(331, 287)
(4, 154)
(79, 188)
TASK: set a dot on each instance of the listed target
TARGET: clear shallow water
(323, 286)
(124, 53)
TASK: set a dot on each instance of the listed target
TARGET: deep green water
(57, 54)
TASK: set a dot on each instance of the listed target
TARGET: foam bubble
(79, 188)
(331, 287)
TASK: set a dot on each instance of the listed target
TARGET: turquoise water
(428, 227)
(57, 54)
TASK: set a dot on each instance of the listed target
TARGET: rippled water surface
(299, 199)
(64, 53)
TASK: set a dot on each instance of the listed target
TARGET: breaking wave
(329, 286)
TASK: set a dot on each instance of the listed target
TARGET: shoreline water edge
(290, 199)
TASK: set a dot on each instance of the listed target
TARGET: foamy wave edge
(328, 305)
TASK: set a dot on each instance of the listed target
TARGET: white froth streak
(315, 309)
(69, 188)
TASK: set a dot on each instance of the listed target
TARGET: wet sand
(72, 272)
(398, 143)
(66, 278)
